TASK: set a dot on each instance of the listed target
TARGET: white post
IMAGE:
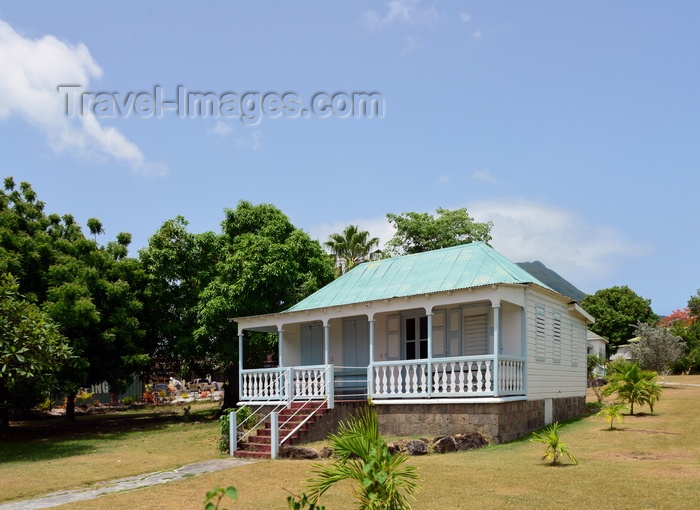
(290, 386)
(232, 433)
(240, 365)
(326, 344)
(280, 347)
(430, 352)
(496, 346)
(331, 387)
(274, 435)
(370, 368)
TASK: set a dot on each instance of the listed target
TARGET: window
(417, 337)
(540, 324)
(556, 338)
(475, 331)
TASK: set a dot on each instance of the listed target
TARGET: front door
(353, 372)
(416, 328)
(311, 344)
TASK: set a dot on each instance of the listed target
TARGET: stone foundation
(499, 423)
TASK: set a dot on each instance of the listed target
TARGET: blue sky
(574, 127)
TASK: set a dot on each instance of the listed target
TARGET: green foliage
(213, 498)
(93, 293)
(351, 247)
(632, 384)
(31, 346)
(302, 502)
(555, 447)
(617, 310)
(420, 232)
(594, 361)
(612, 412)
(657, 348)
(127, 401)
(83, 396)
(244, 420)
(363, 456)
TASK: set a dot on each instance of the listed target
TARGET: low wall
(499, 423)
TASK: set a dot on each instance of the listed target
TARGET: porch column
(326, 344)
(240, 365)
(280, 346)
(496, 345)
(430, 352)
(370, 368)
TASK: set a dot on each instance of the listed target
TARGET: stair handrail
(253, 413)
(328, 380)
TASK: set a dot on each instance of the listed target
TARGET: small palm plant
(633, 385)
(612, 412)
(555, 447)
(363, 456)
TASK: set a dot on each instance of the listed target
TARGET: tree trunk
(231, 387)
(4, 405)
(70, 407)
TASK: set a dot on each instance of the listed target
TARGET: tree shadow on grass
(55, 438)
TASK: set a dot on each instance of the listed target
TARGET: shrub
(127, 401)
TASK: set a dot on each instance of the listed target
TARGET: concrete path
(124, 484)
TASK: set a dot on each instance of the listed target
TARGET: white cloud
(484, 175)
(465, 17)
(523, 231)
(407, 12)
(477, 35)
(32, 71)
(252, 142)
(221, 129)
(444, 179)
(412, 44)
(562, 240)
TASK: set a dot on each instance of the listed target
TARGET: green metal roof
(459, 267)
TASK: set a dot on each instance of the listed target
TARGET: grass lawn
(650, 461)
(39, 457)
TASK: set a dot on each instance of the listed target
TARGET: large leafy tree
(179, 266)
(419, 232)
(93, 293)
(617, 311)
(351, 247)
(657, 348)
(685, 323)
(260, 263)
(31, 346)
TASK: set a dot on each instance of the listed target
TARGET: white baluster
(460, 377)
(489, 382)
(479, 377)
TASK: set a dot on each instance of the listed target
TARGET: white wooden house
(442, 342)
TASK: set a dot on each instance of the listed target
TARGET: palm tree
(95, 227)
(633, 385)
(612, 411)
(363, 456)
(555, 447)
(351, 247)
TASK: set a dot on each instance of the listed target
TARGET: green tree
(617, 310)
(419, 232)
(555, 446)
(363, 456)
(179, 266)
(95, 227)
(93, 293)
(264, 265)
(632, 384)
(686, 324)
(31, 346)
(351, 247)
(657, 348)
(612, 412)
